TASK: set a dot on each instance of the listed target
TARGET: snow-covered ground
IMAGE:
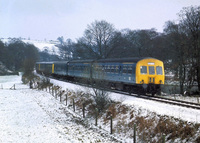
(32, 116)
(36, 116)
(186, 114)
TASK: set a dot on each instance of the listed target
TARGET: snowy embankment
(36, 117)
(183, 113)
(153, 119)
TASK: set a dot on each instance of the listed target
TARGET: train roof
(61, 62)
(44, 62)
(134, 60)
(53, 62)
(81, 61)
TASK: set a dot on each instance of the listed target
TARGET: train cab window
(159, 70)
(143, 70)
(151, 70)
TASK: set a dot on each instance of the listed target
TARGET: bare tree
(97, 37)
(190, 21)
(61, 40)
(178, 49)
(65, 49)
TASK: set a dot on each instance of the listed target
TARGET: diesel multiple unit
(135, 75)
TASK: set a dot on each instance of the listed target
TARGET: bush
(102, 101)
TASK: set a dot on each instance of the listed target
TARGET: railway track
(180, 102)
(154, 98)
(158, 99)
(164, 100)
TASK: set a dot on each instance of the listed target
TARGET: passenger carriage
(136, 75)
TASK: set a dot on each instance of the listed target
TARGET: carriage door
(151, 74)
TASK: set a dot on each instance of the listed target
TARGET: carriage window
(130, 70)
(117, 69)
(75, 68)
(86, 69)
(151, 70)
(100, 68)
(143, 70)
(103, 68)
(108, 69)
(159, 70)
(112, 69)
(124, 69)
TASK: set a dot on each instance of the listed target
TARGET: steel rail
(153, 98)
(164, 100)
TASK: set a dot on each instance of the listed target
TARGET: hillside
(48, 46)
(5, 71)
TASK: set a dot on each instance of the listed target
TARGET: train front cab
(150, 75)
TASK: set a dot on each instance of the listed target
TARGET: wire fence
(63, 97)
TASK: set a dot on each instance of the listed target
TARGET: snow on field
(33, 116)
(186, 114)
(44, 45)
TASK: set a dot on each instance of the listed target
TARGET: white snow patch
(35, 116)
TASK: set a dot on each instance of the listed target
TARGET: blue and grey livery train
(135, 75)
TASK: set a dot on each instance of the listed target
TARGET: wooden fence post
(56, 93)
(66, 99)
(73, 105)
(83, 110)
(13, 87)
(111, 125)
(96, 116)
(163, 138)
(53, 91)
(60, 96)
(134, 133)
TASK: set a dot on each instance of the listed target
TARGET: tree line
(178, 45)
(15, 54)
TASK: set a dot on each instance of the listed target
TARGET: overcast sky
(49, 19)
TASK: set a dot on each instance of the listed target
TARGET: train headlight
(161, 82)
(142, 81)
